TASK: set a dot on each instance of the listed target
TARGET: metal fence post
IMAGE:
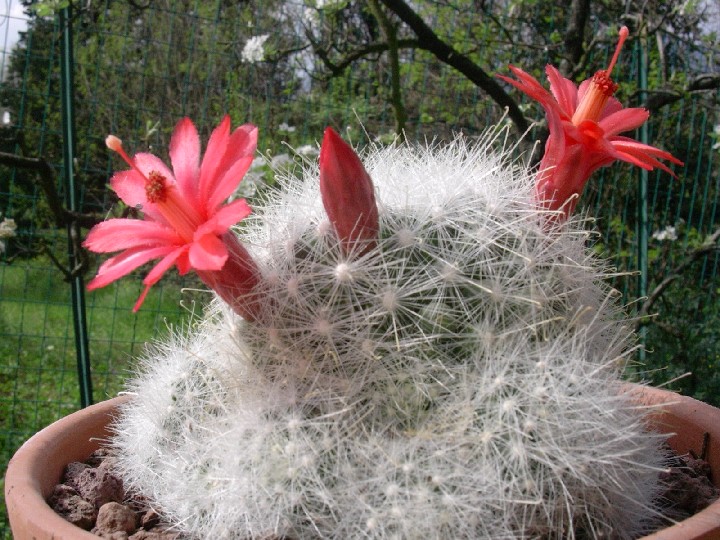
(77, 285)
(642, 217)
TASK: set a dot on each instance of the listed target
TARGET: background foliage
(371, 70)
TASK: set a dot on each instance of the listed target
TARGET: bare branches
(63, 218)
(575, 35)
(666, 96)
(708, 246)
(389, 33)
(46, 177)
(336, 68)
(430, 42)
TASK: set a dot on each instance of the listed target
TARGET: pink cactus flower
(348, 195)
(585, 125)
(186, 220)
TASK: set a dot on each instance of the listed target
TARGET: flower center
(601, 88)
(179, 213)
(156, 187)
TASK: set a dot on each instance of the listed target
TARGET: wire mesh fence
(138, 68)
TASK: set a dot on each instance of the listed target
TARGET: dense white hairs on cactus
(460, 380)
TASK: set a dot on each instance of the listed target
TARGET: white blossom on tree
(254, 50)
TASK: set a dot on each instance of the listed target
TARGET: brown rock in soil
(99, 486)
(114, 517)
(97, 457)
(92, 485)
(66, 501)
(118, 535)
(149, 519)
(72, 471)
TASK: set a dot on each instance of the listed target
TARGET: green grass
(38, 367)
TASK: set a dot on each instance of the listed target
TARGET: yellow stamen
(601, 88)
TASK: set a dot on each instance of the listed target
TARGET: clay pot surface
(38, 464)
(694, 425)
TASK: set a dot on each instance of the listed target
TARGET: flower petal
(643, 155)
(229, 182)
(591, 135)
(183, 263)
(157, 272)
(623, 120)
(225, 217)
(611, 107)
(148, 163)
(118, 234)
(124, 263)
(141, 299)
(553, 111)
(164, 265)
(185, 157)
(564, 90)
(130, 187)
(236, 161)
(208, 253)
(216, 149)
(530, 85)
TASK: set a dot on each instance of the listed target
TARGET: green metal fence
(61, 348)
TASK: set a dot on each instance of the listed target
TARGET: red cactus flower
(186, 221)
(347, 194)
(584, 125)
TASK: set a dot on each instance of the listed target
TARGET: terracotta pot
(693, 424)
(38, 464)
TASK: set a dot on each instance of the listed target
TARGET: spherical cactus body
(459, 378)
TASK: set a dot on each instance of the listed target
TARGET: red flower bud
(348, 195)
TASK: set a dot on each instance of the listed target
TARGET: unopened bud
(347, 194)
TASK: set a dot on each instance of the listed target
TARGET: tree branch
(63, 217)
(708, 246)
(389, 33)
(46, 176)
(336, 69)
(430, 42)
(700, 83)
(575, 35)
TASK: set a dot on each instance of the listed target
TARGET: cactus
(420, 346)
(459, 378)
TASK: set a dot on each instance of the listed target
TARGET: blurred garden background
(73, 72)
